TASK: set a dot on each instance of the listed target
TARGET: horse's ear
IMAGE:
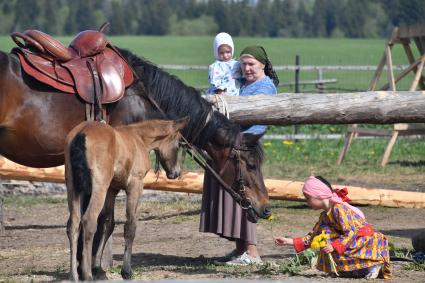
(180, 123)
(251, 139)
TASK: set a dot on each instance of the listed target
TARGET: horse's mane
(178, 100)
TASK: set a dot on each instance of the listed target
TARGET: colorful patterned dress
(356, 245)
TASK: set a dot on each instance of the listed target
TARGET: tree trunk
(192, 182)
(374, 107)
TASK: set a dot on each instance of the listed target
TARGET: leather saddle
(90, 67)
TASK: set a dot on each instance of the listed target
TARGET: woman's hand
(281, 241)
(328, 249)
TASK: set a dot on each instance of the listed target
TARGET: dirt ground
(34, 246)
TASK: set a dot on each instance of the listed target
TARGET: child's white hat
(220, 39)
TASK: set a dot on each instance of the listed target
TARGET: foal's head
(166, 137)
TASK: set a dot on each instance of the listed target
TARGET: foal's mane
(178, 100)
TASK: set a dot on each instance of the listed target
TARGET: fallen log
(374, 107)
(191, 182)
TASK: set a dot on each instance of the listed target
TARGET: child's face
(224, 53)
(314, 203)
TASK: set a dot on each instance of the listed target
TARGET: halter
(238, 189)
(237, 192)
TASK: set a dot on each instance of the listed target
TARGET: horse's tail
(81, 173)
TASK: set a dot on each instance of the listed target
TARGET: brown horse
(35, 119)
(101, 160)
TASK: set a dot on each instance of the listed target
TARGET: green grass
(198, 51)
(27, 201)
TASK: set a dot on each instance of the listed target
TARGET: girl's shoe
(373, 272)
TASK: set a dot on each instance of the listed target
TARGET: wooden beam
(375, 107)
(191, 182)
(390, 71)
(412, 67)
(378, 72)
(418, 74)
(411, 59)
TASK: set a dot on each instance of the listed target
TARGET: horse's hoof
(126, 274)
(99, 273)
(72, 277)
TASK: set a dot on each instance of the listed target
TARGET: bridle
(238, 189)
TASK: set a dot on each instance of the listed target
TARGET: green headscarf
(257, 52)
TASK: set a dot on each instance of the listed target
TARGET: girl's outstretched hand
(281, 241)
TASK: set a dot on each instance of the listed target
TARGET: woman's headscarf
(319, 188)
(220, 39)
(259, 53)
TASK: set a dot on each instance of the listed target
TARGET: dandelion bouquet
(321, 241)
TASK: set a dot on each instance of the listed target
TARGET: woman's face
(252, 69)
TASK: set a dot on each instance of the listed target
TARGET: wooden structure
(407, 37)
(192, 182)
(377, 107)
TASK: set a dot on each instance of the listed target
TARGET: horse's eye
(251, 166)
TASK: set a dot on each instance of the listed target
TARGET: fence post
(320, 86)
(297, 87)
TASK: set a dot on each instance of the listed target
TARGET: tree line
(270, 18)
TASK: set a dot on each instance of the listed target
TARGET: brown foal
(101, 160)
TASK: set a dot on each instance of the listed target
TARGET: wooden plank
(378, 73)
(406, 127)
(418, 74)
(192, 182)
(348, 139)
(308, 68)
(390, 71)
(407, 32)
(411, 60)
(370, 132)
(389, 148)
(412, 67)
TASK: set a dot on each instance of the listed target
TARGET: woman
(220, 214)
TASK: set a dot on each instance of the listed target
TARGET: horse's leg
(89, 226)
(73, 231)
(102, 238)
(133, 195)
(73, 225)
(2, 228)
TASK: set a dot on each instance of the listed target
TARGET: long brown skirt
(221, 215)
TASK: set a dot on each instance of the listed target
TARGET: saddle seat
(89, 67)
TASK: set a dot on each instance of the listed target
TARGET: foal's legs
(73, 225)
(89, 225)
(133, 194)
(105, 227)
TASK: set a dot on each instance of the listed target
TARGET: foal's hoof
(126, 274)
(99, 273)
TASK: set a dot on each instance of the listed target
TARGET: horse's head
(239, 165)
(167, 147)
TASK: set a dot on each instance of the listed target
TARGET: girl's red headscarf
(315, 188)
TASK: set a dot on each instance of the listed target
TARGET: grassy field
(285, 159)
(198, 51)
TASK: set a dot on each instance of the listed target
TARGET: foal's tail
(81, 174)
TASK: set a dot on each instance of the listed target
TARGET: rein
(239, 192)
